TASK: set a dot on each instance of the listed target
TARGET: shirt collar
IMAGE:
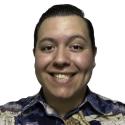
(31, 101)
(39, 98)
(99, 103)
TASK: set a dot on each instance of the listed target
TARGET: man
(64, 51)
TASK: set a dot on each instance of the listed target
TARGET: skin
(64, 47)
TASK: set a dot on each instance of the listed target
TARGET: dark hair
(64, 10)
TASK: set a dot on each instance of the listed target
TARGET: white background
(17, 22)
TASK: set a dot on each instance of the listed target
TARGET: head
(65, 10)
(64, 49)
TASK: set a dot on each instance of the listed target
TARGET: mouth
(62, 77)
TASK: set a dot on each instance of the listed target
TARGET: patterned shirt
(94, 110)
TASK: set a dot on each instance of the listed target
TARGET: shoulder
(112, 106)
(106, 110)
(16, 106)
(105, 105)
(10, 110)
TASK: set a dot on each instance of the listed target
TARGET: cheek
(84, 61)
(41, 61)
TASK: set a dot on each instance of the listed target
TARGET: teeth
(62, 76)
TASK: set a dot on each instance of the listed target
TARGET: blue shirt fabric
(94, 110)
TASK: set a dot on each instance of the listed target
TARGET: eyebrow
(47, 39)
(69, 39)
(78, 36)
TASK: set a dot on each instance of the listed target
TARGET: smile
(62, 77)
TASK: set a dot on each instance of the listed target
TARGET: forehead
(60, 26)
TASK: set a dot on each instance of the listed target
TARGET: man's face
(63, 56)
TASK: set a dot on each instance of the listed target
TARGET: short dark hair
(64, 10)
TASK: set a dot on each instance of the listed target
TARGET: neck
(64, 105)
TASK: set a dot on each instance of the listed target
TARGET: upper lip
(64, 73)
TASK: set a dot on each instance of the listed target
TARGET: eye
(76, 47)
(47, 48)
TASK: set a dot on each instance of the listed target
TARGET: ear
(94, 55)
(95, 51)
(94, 64)
(34, 51)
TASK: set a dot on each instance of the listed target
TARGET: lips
(62, 77)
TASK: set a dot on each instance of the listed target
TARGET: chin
(62, 94)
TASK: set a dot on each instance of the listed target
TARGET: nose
(62, 58)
